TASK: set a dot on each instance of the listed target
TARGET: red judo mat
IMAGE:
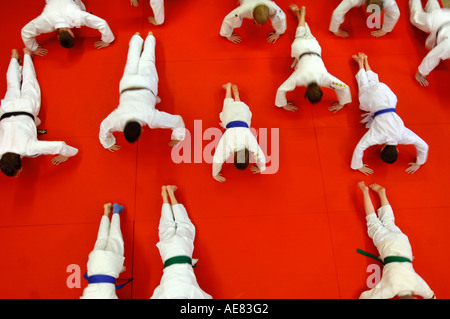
(289, 234)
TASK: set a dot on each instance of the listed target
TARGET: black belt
(308, 53)
(9, 114)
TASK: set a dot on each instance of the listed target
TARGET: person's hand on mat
(378, 33)
(219, 178)
(341, 33)
(114, 148)
(335, 107)
(255, 169)
(59, 159)
(366, 170)
(290, 107)
(40, 51)
(107, 209)
(174, 142)
(234, 38)
(413, 167)
(273, 37)
(101, 44)
(421, 79)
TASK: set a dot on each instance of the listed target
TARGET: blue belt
(383, 111)
(97, 279)
(237, 124)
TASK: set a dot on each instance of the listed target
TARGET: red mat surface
(292, 234)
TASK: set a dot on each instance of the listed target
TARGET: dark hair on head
(132, 131)
(376, 2)
(313, 93)
(389, 154)
(241, 159)
(261, 14)
(66, 39)
(10, 164)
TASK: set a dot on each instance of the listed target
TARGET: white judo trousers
(106, 258)
(176, 238)
(398, 278)
(139, 95)
(18, 134)
(310, 68)
(387, 128)
(435, 21)
(158, 10)
(235, 18)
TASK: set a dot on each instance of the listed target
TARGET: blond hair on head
(261, 13)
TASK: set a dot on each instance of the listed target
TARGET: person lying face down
(237, 141)
(310, 70)
(138, 97)
(385, 126)
(19, 112)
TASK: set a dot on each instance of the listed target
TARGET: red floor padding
(289, 234)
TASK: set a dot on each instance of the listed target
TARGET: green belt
(178, 260)
(387, 260)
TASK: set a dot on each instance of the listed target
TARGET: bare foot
(107, 209)
(294, 8)
(363, 187)
(357, 58)
(152, 20)
(227, 85)
(150, 33)
(164, 192)
(15, 54)
(377, 188)
(171, 188)
(137, 33)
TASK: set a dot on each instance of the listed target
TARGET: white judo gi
(245, 11)
(138, 96)
(63, 14)
(236, 138)
(310, 68)
(176, 238)
(387, 128)
(106, 258)
(390, 8)
(435, 21)
(398, 278)
(18, 134)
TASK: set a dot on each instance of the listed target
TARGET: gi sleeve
(391, 16)
(257, 153)
(48, 147)
(278, 20)
(342, 90)
(165, 120)
(220, 156)
(99, 24)
(107, 127)
(289, 85)
(232, 20)
(34, 28)
(409, 137)
(338, 15)
(433, 58)
(366, 141)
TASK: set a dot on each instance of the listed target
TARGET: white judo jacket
(245, 11)
(63, 14)
(387, 128)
